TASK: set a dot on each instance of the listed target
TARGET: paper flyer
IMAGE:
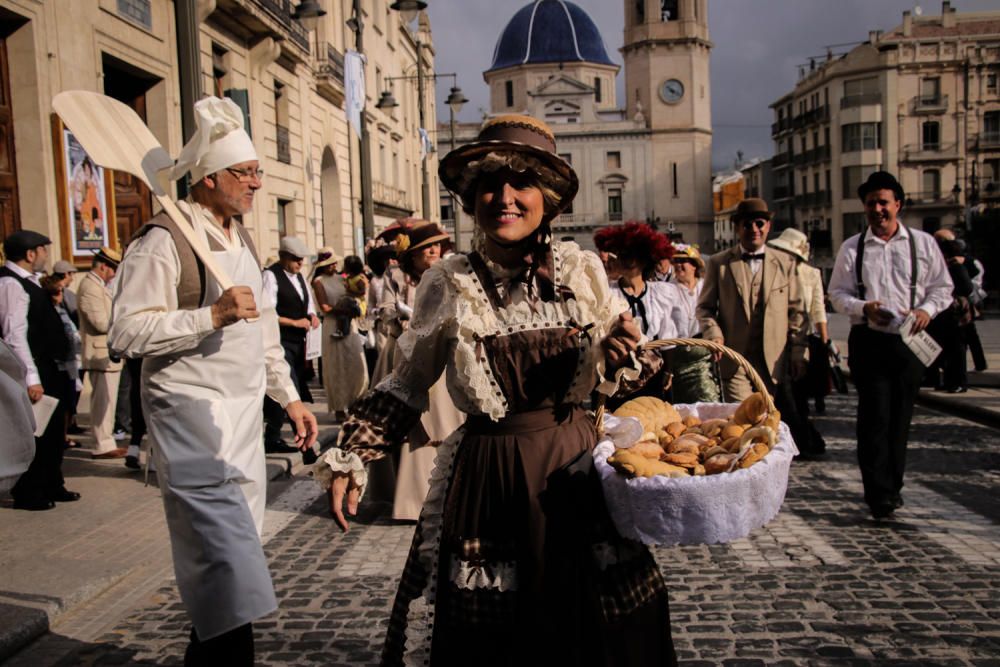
(43, 410)
(314, 343)
(922, 345)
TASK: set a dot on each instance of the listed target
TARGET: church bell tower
(666, 54)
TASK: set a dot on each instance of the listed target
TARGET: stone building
(644, 158)
(289, 82)
(921, 101)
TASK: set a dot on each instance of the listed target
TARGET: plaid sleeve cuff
(378, 421)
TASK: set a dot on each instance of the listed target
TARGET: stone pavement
(822, 584)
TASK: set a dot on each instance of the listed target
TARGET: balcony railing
(930, 198)
(330, 75)
(284, 145)
(389, 195)
(817, 115)
(780, 159)
(782, 192)
(850, 101)
(928, 152)
(985, 141)
(930, 103)
(813, 199)
(813, 155)
(783, 125)
(988, 188)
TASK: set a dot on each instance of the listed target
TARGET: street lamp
(456, 99)
(409, 10)
(357, 26)
(308, 14)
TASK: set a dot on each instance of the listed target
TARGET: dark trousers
(975, 346)
(274, 414)
(887, 376)
(234, 648)
(43, 478)
(134, 367)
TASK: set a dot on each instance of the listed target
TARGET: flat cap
(63, 267)
(22, 241)
(294, 246)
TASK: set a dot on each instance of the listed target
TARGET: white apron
(204, 410)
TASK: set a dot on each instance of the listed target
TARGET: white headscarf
(219, 142)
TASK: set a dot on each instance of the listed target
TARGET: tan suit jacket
(94, 308)
(724, 308)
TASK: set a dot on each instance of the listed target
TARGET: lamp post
(356, 25)
(409, 10)
(455, 102)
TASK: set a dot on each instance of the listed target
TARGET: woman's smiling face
(509, 205)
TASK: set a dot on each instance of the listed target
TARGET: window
(826, 136)
(827, 179)
(854, 223)
(597, 89)
(281, 123)
(509, 91)
(852, 177)
(640, 11)
(932, 184)
(613, 160)
(284, 217)
(614, 204)
(991, 127)
(668, 10)
(991, 84)
(673, 169)
(861, 136)
(857, 87)
(219, 70)
(930, 135)
(816, 182)
(930, 91)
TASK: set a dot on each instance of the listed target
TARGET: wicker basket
(704, 509)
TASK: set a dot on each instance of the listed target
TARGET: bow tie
(750, 256)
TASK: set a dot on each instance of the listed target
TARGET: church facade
(644, 158)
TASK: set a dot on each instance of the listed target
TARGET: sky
(758, 46)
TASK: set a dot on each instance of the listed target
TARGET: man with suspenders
(881, 275)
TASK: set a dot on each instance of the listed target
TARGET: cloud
(758, 46)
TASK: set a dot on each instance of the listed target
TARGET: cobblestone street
(823, 583)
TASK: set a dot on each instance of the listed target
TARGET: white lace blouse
(452, 311)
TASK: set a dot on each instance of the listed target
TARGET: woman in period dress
(514, 559)
(636, 249)
(345, 372)
(693, 368)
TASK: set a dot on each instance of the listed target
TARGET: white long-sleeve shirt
(666, 310)
(886, 276)
(14, 319)
(271, 290)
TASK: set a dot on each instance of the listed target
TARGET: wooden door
(133, 203)
(10, 216)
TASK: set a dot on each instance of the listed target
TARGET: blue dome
(549, 31)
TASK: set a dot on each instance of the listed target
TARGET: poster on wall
(85, 199)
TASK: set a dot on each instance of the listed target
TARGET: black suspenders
(859, 261)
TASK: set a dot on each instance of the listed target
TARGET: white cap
(219, 142)
(294, 246)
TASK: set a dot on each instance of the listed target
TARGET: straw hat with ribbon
(689, 251)
(325, 256)
(420, 234)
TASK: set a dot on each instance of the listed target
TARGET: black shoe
(882, 509)
(817, 455)
(132, 462)
(958, 390)
(279, 447)
(64, 496)
(33, 504)
(896, 501)
(73, 429)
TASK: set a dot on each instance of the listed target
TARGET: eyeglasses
(246, 175)
(759, 223)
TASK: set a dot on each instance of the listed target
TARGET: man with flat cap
(32, 328)
(881, 275)
(209, 357)
(293, 301)
(103, 371)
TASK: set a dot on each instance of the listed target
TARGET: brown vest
(191, 285)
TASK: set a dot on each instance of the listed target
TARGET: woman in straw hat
(514, 560)
(694, 379)
(345, 372)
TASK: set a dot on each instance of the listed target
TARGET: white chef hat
(218, 142)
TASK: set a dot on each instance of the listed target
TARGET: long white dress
(202, 394)
(345, 371)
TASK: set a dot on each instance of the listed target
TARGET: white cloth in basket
(694, 510)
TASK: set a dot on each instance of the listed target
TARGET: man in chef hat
(209, 357)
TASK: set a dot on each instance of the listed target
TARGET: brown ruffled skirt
(531, 570)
